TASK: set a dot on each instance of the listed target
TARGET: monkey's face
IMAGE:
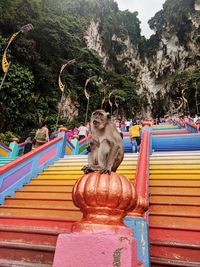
(99, 119)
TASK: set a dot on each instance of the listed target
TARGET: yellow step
(41, 213)
(57, 177)
(81, 163)
(52, 182)
(175, 171)
(174, 183)
(77, 168)
(175, 209)
(41, 203)
(175, 167)
(175, 191)
(74, 176)
(174, 162)
(175, 157)
(44, 195)
(48, 188)
(174, 221)
(178, 200)
(175, 176)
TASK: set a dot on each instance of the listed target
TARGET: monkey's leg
(118, 159)
(92, 162)
(106, 151)
(114, 157)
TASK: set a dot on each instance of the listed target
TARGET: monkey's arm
(97, 159)
(92, 157)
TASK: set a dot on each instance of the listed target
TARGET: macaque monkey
(106, 148)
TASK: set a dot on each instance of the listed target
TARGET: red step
(30, 242)
(175, 250)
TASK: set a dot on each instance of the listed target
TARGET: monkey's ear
(108, 115)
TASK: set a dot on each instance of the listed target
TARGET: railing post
(62, 146)
(76, 145)
(138, 219)
(100, 238)
(15, 150)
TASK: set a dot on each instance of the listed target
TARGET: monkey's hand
(87, 169)
(104, 170)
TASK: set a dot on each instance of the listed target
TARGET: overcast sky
(146, 9)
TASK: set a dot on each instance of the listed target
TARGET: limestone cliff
(177, 29)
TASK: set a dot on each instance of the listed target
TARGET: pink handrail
(191, 125)
(85, 139)
(19, 160)
(141, 179)
(22, 144)
(142, 172)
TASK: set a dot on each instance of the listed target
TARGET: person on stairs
(135, 139)
(42, 135)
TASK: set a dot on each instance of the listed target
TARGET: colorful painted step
(175, 209)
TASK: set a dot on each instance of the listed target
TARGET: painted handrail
(18, 172)
(83, 144)
(179, 123)
(191, 127)
(142, 172)
(138, 219)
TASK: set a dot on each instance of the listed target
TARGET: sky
(146, 10)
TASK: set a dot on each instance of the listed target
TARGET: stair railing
(142, 174)
(191, 127)
(15, 174)
(83, 144)
(138, 218)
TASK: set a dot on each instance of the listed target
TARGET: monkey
(106, 147)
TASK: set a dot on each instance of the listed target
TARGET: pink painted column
(100, 239)
(105, 249)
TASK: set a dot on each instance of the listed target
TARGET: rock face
(197, 5)
(69, 108)
(173, 55)
(94, 41)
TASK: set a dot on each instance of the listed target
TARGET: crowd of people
(132, 126)
(43, 135)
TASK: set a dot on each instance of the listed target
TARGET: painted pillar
(141, 233)
(100, 238)
(15, 150)
(63, 145)
(75, 142)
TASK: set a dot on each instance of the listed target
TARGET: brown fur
(106, 148)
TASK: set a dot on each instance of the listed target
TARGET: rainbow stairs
(166, 126)
(31, 221)
(162, 129)
(175, 209)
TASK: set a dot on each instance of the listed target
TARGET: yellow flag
(4, 62)
(85, 91)
(86, 83)
(61, 85)
(4, 59)
(109, 101)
